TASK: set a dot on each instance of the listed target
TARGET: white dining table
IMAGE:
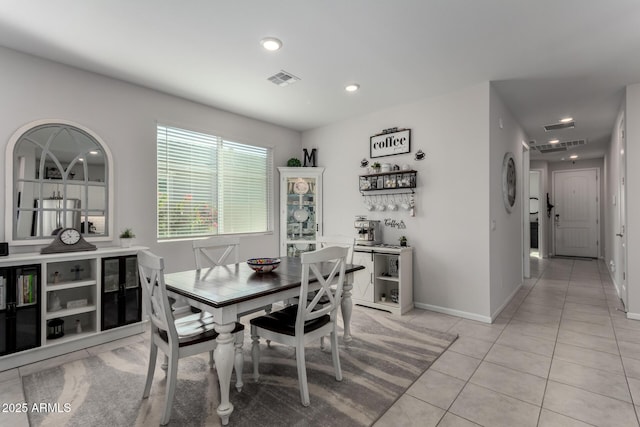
(227, 291)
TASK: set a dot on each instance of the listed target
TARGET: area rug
(385, 357)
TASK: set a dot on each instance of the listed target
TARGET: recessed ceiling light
(271, 43)
(352, 87)
(554, 141)
(566, 120)
(574, 156)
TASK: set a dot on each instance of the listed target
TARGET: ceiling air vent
(561, 146)
(559, 126)
(283, 79)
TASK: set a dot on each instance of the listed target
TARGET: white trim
(633, 316)
(8, 216)
(452, 312)
(48, 351)
(506, 302)
(524, 214)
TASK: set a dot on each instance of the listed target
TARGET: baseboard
(633, 316)
(495, 315)
(452, 312)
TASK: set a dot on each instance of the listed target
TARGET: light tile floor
(560, 354)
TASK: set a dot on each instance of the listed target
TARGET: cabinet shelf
(389, 278)
(51, 287)
(65, 312)
(389, 303)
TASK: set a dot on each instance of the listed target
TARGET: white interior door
(622, 213)
(576, 221)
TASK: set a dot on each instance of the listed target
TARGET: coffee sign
(391, 143)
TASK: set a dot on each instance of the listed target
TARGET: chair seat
(284, 321)
(196, 328)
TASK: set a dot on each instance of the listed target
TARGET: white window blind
(209, 186)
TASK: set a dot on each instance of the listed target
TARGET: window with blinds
(209, 186)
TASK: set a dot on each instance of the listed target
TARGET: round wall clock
(509, 181)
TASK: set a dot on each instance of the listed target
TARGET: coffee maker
(367, 231)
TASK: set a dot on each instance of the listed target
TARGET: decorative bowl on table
(263, 265)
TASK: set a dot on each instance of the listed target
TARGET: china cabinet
(386, 283)
(300, 209)
(52, 304)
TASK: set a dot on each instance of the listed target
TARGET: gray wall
(459, 192)
(125, 117)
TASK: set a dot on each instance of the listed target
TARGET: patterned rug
(385, 357)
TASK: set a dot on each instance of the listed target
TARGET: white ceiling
(548, 58)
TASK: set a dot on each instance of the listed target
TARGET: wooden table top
(227, 285)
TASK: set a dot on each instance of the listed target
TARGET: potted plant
(375, 167)
(403, 240)
(126, 236)
(294, 163)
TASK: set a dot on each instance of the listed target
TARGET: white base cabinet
(386, 283)
(69, 299)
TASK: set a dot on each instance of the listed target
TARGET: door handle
(619, 234)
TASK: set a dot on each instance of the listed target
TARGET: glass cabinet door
(121, 292)
(301, 209)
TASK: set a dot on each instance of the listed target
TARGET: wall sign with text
(391, 143)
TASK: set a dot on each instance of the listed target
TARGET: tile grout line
(483, 359)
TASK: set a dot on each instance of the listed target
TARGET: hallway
(560, 354)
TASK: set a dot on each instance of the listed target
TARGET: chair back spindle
(216, 251)
(313, 309)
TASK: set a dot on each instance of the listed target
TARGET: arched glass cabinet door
(61, 174)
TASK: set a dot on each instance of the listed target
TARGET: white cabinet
(386, 283)
(300, 209)
(69, 297)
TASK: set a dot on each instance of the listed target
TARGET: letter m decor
(391, 143)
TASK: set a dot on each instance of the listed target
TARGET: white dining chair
(177, 338)
(216, 251)
(212, 252)
(299, 324)
(344, 241)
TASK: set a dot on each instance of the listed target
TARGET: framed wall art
(390, 143)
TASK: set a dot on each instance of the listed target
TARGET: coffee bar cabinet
(121, 292)
(386, 283)
(300, 209)
(52, 304)
(19, 308)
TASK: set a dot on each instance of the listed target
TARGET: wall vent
(561, 146)
(283, 78)
(559, 126)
